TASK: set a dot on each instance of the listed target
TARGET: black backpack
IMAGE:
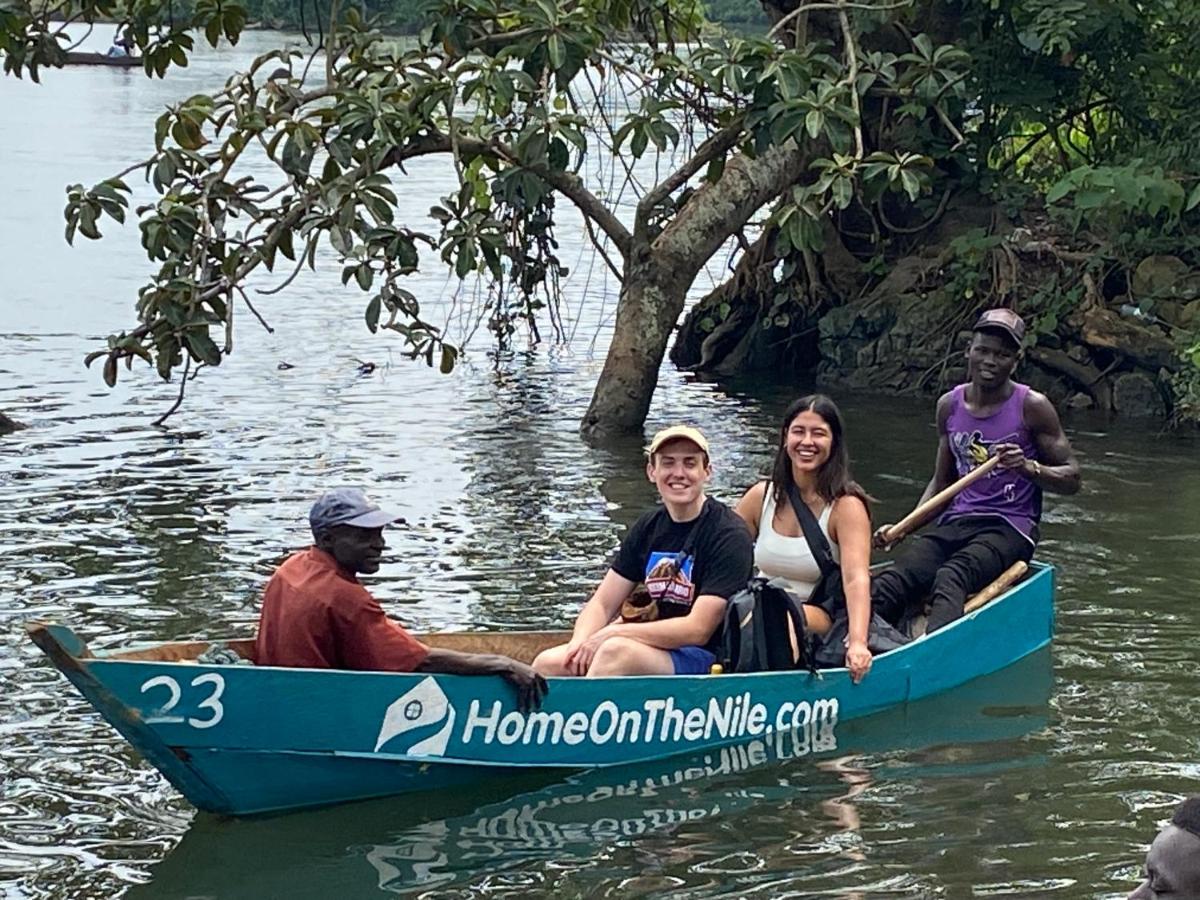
(754, 637)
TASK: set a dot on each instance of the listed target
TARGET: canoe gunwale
(87, 58)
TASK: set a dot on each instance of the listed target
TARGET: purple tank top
(1008, 495)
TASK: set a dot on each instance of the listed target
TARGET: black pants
(947, 563)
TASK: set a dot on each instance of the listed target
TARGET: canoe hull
(244, 739)
(79, 58)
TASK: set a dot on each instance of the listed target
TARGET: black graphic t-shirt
(720, 563)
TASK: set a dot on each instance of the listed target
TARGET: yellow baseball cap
(687, 432)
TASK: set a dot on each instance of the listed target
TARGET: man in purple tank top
(994, 522)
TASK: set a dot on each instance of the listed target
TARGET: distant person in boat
(317, 615)
(122, 44)
(812, 455)
(692, 554)
(993, 523)
(1173, 862)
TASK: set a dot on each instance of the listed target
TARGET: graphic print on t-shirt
(971, 450)
(659, 567)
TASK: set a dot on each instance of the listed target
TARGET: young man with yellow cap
(692, 553)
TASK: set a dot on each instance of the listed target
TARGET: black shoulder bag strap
(818, 544)
(805, 659)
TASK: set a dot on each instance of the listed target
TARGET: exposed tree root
(1088, 348)
(1087, 378)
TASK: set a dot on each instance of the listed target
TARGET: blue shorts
(692, 660)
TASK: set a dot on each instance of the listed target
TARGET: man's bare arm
(530, 686)
(1056, 469)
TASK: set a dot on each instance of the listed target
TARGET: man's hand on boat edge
(531, 687)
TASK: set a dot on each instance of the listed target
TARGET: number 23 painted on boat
(212, 701)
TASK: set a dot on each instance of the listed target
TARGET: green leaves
(557, 51)
(184, 124)
(170, 48)
(202, 347)
(932, 71)
(1193, 199)
(1115, 194)
(907, 172)
(220, 17)
(372, 313)
(799, 221)
(650, 126)
(84, 208)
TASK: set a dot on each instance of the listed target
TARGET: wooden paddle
(916, 518)
(997, 587)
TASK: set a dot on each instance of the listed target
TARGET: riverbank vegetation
(884, 170)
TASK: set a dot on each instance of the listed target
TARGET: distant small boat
(246, 739)
(76, 58)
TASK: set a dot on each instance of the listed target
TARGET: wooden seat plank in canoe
(519, 645)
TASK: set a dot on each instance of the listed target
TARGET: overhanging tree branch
(568, 184)
(720, 209)
(717, 145)
(809, 7)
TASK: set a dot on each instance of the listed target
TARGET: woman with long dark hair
(812, 456)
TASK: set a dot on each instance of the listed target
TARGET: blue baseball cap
(348, 506)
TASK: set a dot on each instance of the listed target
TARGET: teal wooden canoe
(240, 739)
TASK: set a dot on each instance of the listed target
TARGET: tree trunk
(650, 304)
(657, 278)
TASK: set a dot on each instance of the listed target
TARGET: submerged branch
(187, 365)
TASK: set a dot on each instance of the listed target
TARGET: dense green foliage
(400, 16)
(1088, 105)
(405, 16)
(738, 14)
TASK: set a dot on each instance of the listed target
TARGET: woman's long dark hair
(833, 480)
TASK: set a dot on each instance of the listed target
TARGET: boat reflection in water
(452, 840)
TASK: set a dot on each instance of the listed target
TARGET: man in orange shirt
(317, 615)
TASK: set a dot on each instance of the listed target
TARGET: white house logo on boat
(415, 714)
(654, 721)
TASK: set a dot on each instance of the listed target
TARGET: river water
(1047, 779)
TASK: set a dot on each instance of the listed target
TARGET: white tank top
(780, 556)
